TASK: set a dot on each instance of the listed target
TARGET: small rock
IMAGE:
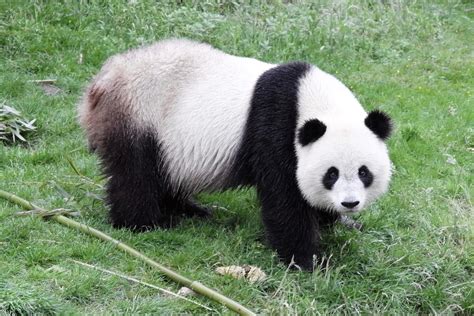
(185, 291)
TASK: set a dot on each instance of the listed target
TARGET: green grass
(414, 60)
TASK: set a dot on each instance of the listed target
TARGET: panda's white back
(197, 99)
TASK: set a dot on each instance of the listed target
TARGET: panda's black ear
(311, 131)
(379, 123)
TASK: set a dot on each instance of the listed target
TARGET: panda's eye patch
(366, 176)
(330, 178)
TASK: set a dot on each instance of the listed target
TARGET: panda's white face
(344, 169)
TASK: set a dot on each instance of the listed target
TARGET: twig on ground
(139, 282)
(43, 81)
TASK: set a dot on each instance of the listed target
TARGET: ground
(413, 60)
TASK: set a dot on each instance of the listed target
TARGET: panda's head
(343, 166)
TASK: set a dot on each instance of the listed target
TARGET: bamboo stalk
(196, 286)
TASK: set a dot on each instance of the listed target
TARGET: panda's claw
(192, 209)
(350, 223)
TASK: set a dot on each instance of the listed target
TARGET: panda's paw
(139, 226)
(305, 263)
(192, 209)
(350, 223)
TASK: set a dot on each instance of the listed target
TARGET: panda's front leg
(294, 234)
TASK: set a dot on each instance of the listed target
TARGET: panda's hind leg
(190, 208)
(138, 194)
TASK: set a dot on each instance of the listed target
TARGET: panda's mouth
(350, 211)
(347, 211)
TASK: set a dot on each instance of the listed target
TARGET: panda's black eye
(366, 176)
(330, 178)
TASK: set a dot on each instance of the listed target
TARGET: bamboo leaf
(13, 126)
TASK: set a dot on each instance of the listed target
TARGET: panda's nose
(350, 204)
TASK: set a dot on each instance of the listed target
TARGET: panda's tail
(104, 102)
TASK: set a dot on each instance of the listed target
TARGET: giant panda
(179, 117)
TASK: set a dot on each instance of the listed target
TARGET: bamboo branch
(196, 286)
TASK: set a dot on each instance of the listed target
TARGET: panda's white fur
(179, 117)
